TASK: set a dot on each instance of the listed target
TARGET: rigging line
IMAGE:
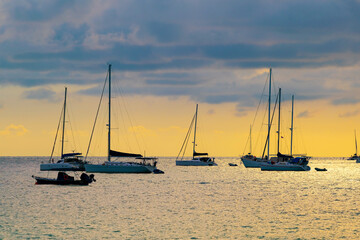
(299, 129)
(272, 117)
(257, 110)
(122, 127)
(57, 131)
(96, 116)
(261, 128)
(273, 83)
(186, 138)
(262, 95)
(128, 115)
(72, 132)
(71, 122)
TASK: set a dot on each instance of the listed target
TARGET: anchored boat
(196, 160)
(134, 163)
(286, 162)
(69, 161)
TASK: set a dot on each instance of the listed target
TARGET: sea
(219, 202)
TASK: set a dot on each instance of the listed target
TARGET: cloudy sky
(170, 55)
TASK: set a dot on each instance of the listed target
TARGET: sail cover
(199, 154)
(122, 154)
(70, 155)
(284, 156)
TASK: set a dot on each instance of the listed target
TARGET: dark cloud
(304, 114)
(37, 10)
(171, 82)
(241, 111)
(350, 114)
(217, 99)
(151, 58)
(180, 48)
(163, 32)
(68, 34)
(41, 94)
(345, 101)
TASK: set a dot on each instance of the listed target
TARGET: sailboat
(135, 163)
(197, 159)
(355, 156)
(249, 160)
(69, 161)
(286, 162)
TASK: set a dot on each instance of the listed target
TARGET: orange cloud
(18, 130)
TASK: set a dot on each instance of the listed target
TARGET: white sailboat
(355, 156)
(249, 160)
(286, 162)
(69, 161)
(135, 163)
(198, 159)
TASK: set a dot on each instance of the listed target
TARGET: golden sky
(171, 57)
(28, 126)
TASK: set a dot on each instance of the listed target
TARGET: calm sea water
(220, 202)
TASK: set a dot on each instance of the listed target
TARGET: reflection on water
(220, 202)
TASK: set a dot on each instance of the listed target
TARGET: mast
(63, 127)
(194, 143)
(250, 141)
(268, 147)
(355, 144)
(109, 123)
(292, 124)
(278, 146)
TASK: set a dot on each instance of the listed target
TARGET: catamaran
(69, 161)
(135, 163)
(197, 159)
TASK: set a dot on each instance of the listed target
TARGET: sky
(168, 56)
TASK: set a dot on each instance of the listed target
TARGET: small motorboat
(64, 179)
(232, 164)
(321, 169)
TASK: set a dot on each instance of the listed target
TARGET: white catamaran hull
(284, 167)
(118, 168)
(61, 167)
(194, 163)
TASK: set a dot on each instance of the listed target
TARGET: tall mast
(109, 123)
(63, 127)
(355, 144)
(194, 143)
(250, 141)
(268, 148)
(292, 124)
(278, 146)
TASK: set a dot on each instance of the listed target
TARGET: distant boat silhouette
(355, 156)
(321, 169)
